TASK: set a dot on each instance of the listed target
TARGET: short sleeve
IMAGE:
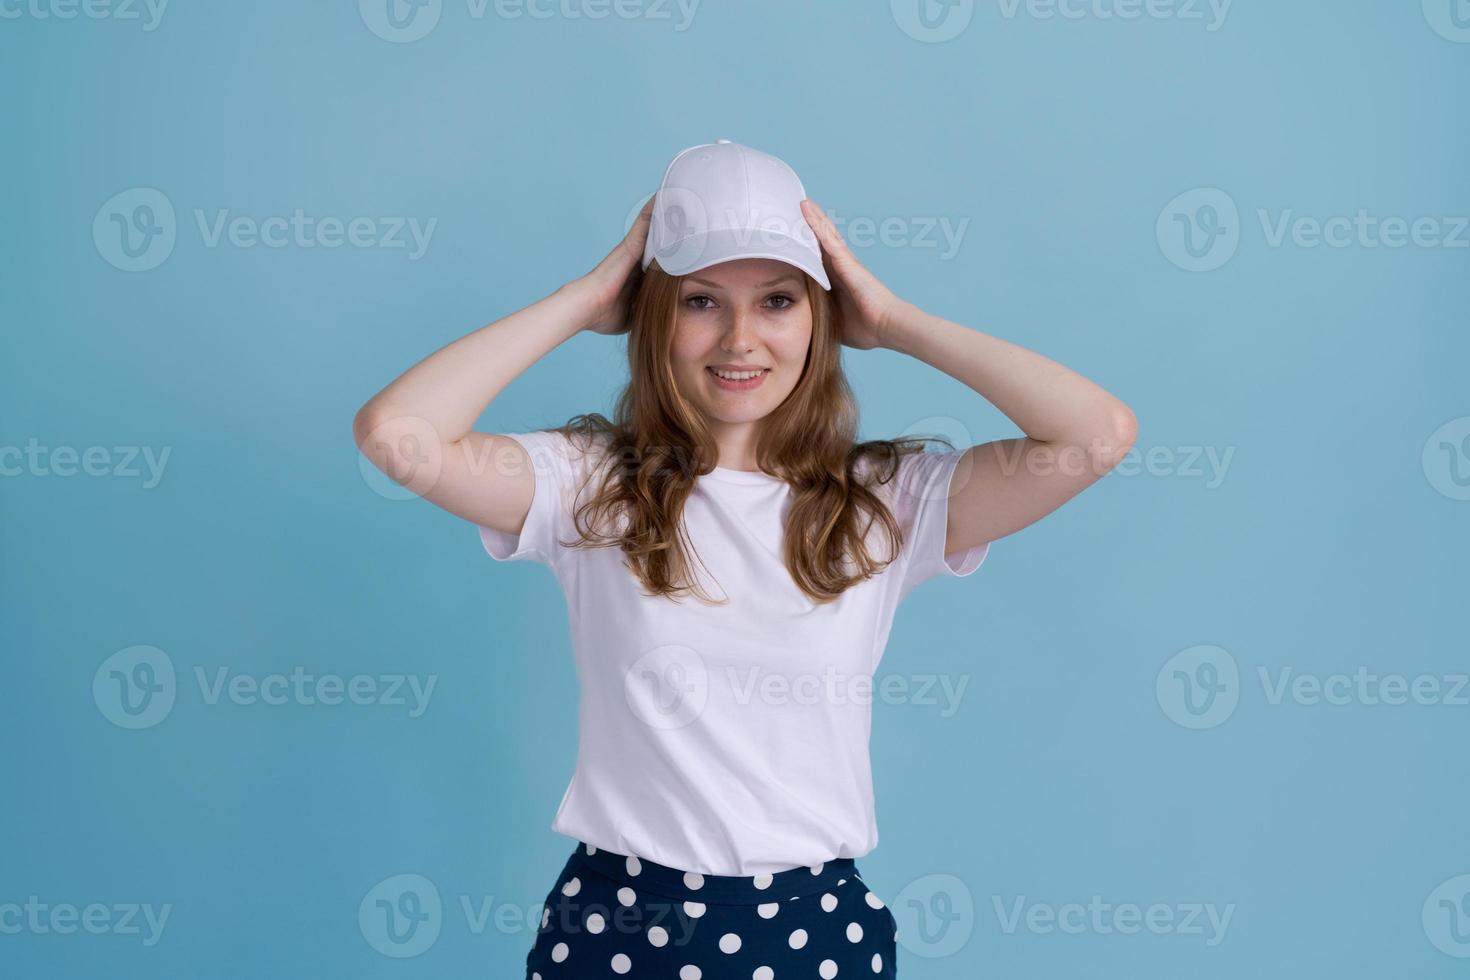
(560, 467)
(920, 500)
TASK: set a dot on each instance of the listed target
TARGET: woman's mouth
(738, 380)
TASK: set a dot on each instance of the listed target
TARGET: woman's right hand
(610, 287)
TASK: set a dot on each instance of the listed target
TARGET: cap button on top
(722, 141)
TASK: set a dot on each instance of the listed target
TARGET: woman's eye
(694, 301)
(786, 301)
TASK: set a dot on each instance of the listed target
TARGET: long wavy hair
(657, 445)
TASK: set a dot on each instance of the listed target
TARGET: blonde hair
(661, 445)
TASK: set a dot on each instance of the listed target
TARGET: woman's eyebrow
(763, 285)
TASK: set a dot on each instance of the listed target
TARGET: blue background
(1332, 541)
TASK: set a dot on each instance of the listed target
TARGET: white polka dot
(591, 850)
(763, 973)
(873, 900)
(729, 942)
(854, 932)
(797, 939)
(841, 881)
(768, 910)
(545, 917)
(694, 880)
(626, 896)
(572, 887)
(762, 881)
(877, 962)
(829, 902)
(817, 868)
(595, 923)
(827, 970)
(690, 972)
(694, 909)
(621, 963)
(634, 865)
(658, 935)
(559, 952)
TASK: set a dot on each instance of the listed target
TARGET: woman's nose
(741, 333)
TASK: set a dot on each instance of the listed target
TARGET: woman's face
(744, 315)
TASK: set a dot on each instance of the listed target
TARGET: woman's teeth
(738, 375)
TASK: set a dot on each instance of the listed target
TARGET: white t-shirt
(726, 739)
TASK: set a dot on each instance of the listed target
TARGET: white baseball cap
(721, 201)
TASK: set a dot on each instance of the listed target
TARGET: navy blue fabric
(610, 915)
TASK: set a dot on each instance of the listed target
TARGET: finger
(831, 239)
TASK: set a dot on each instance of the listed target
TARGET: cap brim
(726, 245)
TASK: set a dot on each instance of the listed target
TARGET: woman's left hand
(866, 308)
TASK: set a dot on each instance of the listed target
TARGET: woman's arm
(1075, 431)
(418, 429)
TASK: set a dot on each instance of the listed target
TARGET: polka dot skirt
(613, 915)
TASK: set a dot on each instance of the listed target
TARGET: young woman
(732, 559)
